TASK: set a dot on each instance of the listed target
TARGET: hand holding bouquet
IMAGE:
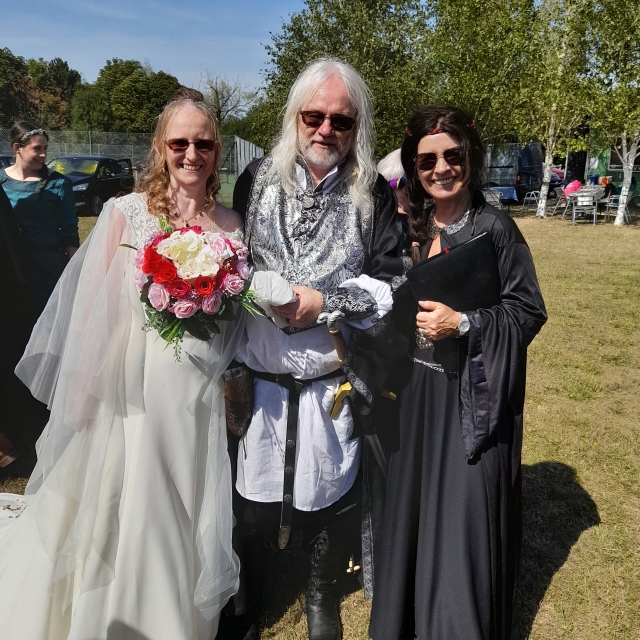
(188, 279)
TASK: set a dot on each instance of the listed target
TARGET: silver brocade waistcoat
(309, 239)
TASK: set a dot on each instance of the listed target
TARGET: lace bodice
(145, 226)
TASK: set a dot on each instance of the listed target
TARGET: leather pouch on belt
(237, 385)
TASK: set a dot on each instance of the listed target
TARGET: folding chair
(530, 196)
(562, 199)
(611, 208)
(586, 203)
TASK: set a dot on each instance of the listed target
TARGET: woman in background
(44, 209)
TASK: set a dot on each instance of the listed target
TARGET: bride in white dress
(126, 533)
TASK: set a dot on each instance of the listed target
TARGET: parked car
(6, 161)
(95, 179)
(515, 165)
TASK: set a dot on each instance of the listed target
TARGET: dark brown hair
(20, 128)
(460, 126)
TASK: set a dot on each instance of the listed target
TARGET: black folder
(464, 277)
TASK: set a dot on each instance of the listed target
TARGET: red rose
(204, 285)
(152, 260)
(178, 288)
(165, 273)
(220, 276)
(230, 266)
(158, 239)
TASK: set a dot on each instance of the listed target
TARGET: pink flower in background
(233, 284)
(184, 308)
(244, 270)
(158, 297)
(212, 303)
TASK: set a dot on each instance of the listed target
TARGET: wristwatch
(464, 325)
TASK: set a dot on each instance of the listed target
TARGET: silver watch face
(464, 325)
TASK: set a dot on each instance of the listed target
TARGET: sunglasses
(398, 183)
(454, 157)
(182, 144)
(338, 121)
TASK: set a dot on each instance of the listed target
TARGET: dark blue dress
(45, 214)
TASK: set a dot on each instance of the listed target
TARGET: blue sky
(182, 37)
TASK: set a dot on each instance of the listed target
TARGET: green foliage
(35, 90)
(90, 109)
(139, 98)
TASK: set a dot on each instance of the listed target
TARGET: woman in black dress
(451, 532)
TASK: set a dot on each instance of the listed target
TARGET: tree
(551, 101)
(16, 89)
(139, 98)
(90, 109)
(227, 98)
(377, 37)
(614, 53)
(476, 54)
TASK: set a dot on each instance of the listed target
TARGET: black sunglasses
(338, 121)
(454, 157)
(182, 144)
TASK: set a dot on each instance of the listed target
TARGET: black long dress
(448, 553)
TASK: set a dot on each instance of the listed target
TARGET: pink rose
(211, 304)
(233, 284)
(138, 261)
(184, 308)
(158, 296)
(141, 279)
(244, 270)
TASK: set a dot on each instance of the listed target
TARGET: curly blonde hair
(155, 179)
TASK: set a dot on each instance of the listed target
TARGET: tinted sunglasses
(182, 144)
(454, 157)
(338, 121)
(398, 183)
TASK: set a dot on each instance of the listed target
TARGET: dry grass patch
(581, 564)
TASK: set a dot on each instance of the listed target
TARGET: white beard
(327, 158)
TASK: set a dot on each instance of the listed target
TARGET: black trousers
(258, 524)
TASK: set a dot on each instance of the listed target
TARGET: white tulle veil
(83, 363)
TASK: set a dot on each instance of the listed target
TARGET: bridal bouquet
(188, 279)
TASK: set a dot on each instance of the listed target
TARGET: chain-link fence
(236, 153)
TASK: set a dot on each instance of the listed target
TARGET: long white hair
(390, 166)
(360, 168)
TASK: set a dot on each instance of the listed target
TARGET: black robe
(447, 556)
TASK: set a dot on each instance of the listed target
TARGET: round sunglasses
(182, 144)
(338, 121)
(454, 157)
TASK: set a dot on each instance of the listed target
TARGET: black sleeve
(492, 385)
(386, 260)
(242, 190)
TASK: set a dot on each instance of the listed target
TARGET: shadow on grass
(556, 512)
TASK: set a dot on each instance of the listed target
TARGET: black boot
(323, 617)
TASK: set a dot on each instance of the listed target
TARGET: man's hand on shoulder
(304, 310)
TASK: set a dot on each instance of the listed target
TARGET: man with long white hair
(316, 212)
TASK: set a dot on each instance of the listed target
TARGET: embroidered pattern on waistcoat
(310, 239)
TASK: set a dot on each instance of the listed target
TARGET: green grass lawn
(581, 458)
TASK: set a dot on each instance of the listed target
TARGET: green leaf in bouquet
(226, 312)
(196, 328)
(128, 246)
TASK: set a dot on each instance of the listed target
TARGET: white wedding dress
(126, 523)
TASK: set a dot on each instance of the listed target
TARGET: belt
(295, 388)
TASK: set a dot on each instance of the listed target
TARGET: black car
(95, 179)
(6, 161)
